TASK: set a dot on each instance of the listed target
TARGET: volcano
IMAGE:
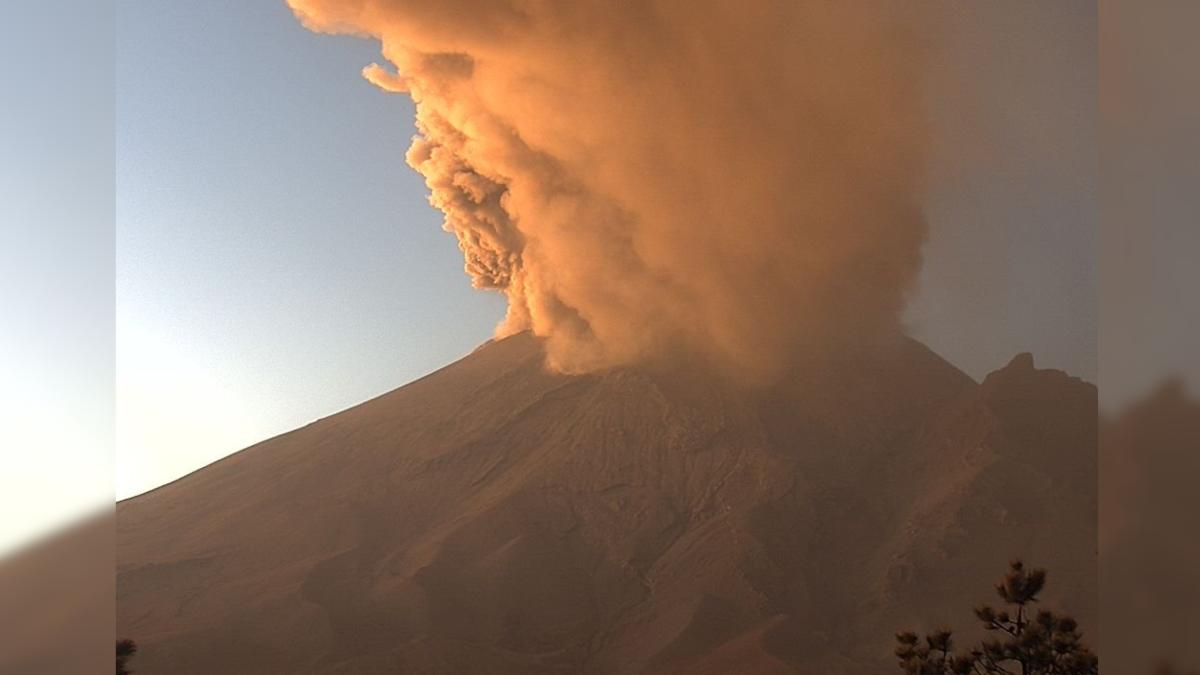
(495, 517)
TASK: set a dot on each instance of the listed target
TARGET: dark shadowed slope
(1150, 459)
(495, 518)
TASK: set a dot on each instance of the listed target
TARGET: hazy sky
(277, 260)
(56, 266)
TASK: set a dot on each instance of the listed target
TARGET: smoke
(733, 181)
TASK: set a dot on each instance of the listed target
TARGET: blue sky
(277, 260)
(56, 266)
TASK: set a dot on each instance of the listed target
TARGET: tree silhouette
(125, 650)
(1044, 643)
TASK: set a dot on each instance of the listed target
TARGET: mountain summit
(496, 518)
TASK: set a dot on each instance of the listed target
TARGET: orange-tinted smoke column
(734, 181)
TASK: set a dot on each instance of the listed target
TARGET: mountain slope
(496, 518)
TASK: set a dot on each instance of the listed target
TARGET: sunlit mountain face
(499, 517)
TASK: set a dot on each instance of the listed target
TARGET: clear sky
(277, 260)
(56, 266)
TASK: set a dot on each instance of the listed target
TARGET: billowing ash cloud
(730, 180)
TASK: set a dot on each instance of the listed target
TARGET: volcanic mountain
(495, 517)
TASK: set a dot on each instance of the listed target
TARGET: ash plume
(732, 181)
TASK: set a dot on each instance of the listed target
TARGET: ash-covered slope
(495, 518)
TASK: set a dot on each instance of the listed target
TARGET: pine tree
(125, 650)
(1028, 643)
